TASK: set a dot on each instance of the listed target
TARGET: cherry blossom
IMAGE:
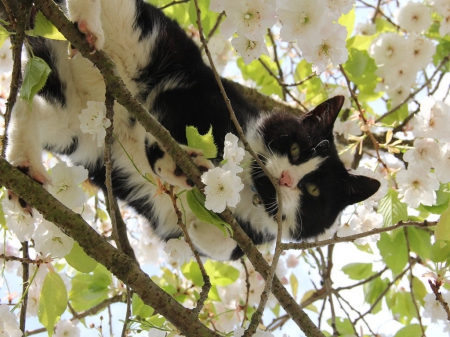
(331, 49)
(19, 221)
(66, 328)
(302, 20)
(249, 49)
(432, 120)
(6, 61)
(365, 221)
(93, 121)
(442, 165)
(421, 50)
(442, 7)
(65, 181)
(222, 189)
(233, 154)
(388, 49)
(49, 239)
(417, 188)
(178, 251)
(414, 17)
(9, 326)
(250, 18)
(433, 309)
(426, 152)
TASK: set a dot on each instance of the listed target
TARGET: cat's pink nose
(286, 180)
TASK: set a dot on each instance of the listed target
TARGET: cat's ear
(359, 188)
(325, 114)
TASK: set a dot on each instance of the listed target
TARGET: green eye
(313, 190)
(295, 151)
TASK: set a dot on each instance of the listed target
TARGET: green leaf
(139, 308)
(294, 285)
(393, 250)
(4, 34)
(255, 71)
(196, 202)
(343, 326)
(420, 242)
(360, 67)
(360, 42)
(79, 260)
(419, 290)
(392, 209)
(358, 271)
(348, 21)
(411, 330)
(372, 291)
(442, 231)
(53, 301)
(90, 289)
(442, 201)
(204, 143)
(34, 78)
(44, 28)
(221, 274)
(401, 305)
(192, 272)
(440, 251)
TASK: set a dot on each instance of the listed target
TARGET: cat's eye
(313, 190)
(295, 151)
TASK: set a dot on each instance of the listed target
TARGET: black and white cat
(163, 68)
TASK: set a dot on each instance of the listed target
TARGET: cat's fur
(163, 68)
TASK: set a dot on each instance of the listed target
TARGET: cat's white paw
(210, 239)
(86, 15)
(168, 171)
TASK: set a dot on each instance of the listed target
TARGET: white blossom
(221, 51)
(302, 20)
(426, 152)
(292, 261)
(153, 332)
(442, 7)
(66, 328)
(65, 181)
(250, 18)
(417, 188)
(414, 17)
(93, 121)
(432, 120)
(331, 49)
(388, 49)
(420, 50)
(233, 154)
(249, 49)
(442, 165)
(365, 221)
(397, 75)
(178, 250)
(339, 7)
(6, 61)
(398, 93)
(222, 189)
(347, 128)
(9, 327)
(433, 309)
(19, 221)
(366, 28)
(49, 239)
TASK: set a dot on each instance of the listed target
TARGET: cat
(164, 70)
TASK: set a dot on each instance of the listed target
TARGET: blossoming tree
(393, 251)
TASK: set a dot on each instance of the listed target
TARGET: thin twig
(17, 39)
(25, 282)
(26, 260)
(336, 239)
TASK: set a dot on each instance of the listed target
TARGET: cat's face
(315, 186)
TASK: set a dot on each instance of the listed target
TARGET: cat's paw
(86, 15)
(41, 177)
(210, 240)
(168, 171)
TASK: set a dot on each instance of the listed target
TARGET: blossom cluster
(309, 22)
(222, 183)
(418, 183)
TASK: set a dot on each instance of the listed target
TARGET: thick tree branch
(98, 248)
